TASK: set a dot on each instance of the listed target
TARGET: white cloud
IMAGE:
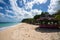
(20, 13)
(36, 12)
(17, 17)
(41, 1)
(7, 18)
(30, 4)
(54, 6)
(1, 7)
(1, 1)
(1, 15)
(24, 14)
(10, 11)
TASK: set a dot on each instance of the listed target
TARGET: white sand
(24, 31)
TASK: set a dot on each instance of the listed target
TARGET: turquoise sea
(7, 24)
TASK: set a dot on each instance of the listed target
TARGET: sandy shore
(24, 31)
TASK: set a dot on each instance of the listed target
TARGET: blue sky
(16, 10)
(43, 6)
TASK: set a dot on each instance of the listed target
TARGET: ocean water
(7, 24)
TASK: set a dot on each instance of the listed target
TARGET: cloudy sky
(16, 10)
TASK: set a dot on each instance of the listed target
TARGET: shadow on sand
(47, 30)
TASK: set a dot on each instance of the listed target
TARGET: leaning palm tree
(57, 16)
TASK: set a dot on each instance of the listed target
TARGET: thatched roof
(46, 18)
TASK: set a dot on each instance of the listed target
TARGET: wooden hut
(48, 22)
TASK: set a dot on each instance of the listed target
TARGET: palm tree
(57, 15)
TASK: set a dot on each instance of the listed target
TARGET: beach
(24, 31)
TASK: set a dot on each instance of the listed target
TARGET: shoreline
(8, 27)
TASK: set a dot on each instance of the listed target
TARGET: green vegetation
(30, 21)
(34, 20)
(36, 17)
(57, 15)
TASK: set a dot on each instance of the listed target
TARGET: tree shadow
(47, 30)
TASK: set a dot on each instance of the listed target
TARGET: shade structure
(48, 22)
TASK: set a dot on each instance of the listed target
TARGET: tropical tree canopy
(57, 15)
(37, 16)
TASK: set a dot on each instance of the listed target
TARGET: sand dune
(25, 31)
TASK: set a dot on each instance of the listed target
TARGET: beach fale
(48, 22)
